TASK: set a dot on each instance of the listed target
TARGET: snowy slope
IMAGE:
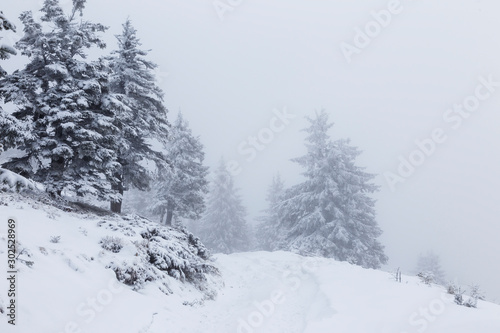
(286, 293)
(71, 285)
(69, 289)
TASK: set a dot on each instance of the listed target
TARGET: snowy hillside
(71, 258)
(68, 287)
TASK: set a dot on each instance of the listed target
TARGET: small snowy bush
(24, 253)
(132, 273)
(426, 277)
(111, 243)
(12, 182)
(475, 295)
(55, 239)
(169, 255)
(459, 296)
(163, 252)
(451, 288)
(470, 301)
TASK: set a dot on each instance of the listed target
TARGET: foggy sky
(231, 76)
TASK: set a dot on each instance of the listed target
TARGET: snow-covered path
(260, 295)
(70, 290)
(286, 293)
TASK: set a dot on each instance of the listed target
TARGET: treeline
(100, 128)
(95, 128)
(330, 214)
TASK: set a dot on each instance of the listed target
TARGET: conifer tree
(180, 188)
(330, 214)
(5, 50)
(62, 98)
(223, 227)
(11, 131)
(429, 264)
(141, 116)
(267, 228)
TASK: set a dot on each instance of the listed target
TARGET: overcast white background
(228, 76)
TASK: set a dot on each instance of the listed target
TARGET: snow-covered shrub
(431, 263)
(55, 239)
(426, 277)
(43, 251)
(476, 292)
(111, 243)
(12, 182)
(451, 288)
(167, 254)
(162, 252)
(470, 301)
(177, 253)
(22, 254)
(132, 273)
(83, 231)
(475, 295)
(459, 296)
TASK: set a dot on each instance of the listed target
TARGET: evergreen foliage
(140, 115)
(330, 214)
(63, 103)
(180, 188)
(267, 228)
(223, 227)
(430, 264)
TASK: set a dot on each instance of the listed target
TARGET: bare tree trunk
(170, 213)
(163, 216)
(116, 206)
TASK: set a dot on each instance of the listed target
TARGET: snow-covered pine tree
(223, 228)
(330, 214)
(267, 233)
(430, 264)
(62, 98)
(141, 117)
(5, 50)
(11, 131)
(180, 188)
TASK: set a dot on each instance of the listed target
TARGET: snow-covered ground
(69, 289)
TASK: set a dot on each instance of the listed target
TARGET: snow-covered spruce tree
(141, 117)
(223, 228)
(180, 188)
(429, 265)
(62, 98)
(5, 50)
(11, 131)
(267, 229)
(330, 214)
